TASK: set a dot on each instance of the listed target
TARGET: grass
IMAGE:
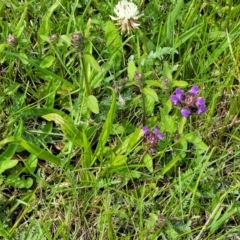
(74, 162)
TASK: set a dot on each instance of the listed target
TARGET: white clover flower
(127, 15)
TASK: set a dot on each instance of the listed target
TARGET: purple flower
(185, 112)
(194, 90)
(151, 138)
(189, 102)
(177, 96)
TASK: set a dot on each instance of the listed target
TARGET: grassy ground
(74, 162)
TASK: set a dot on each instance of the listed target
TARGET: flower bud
(12, 40)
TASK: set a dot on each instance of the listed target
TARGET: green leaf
(186, 35)
(15, 181)
(168, 123)
(47, 62)
(234, 34)
(128, 144)
(197, 142)
(7, 164)
(67, 126)
(170, 165)
(147, 159)
(87, 154)
(92, 104)
(91, 60)
(179, 83)
(34, 149)
(45, 24)
(131, 70)
(118, 160)
(171, 19)
(103, 138)
(151, 93)
(24, 58)
(31, 164)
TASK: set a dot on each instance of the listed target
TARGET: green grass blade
(106, 128)
(223, 45)
(34, 149)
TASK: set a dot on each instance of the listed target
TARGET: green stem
(181, 125)
(88, 89)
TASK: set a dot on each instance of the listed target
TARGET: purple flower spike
(200, 102)
(194, 90)
(145, 130)
(151, 138)
(185, 112)
(201, 110)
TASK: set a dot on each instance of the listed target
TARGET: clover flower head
(127, 16)
(151, 138)
(189, 102)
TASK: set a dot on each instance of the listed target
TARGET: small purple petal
(194, 90)
(160, 135)
(145, 130)
(200, 102)
(185, 112)
(174, 99)
(201, 110)
(179, 93)
(155, 130)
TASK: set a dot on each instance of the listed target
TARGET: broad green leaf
(113, 43)
(103, 138)
(197, 142)
(154, 83)
(31, 164)
(149, 104)
(148, 161)
(92, 104)
(32, 148)
(12, 88)
(131, 70)
(15, 181)
(168, 123)
(67, 126)
(118, 160)
(7, 164)
(113, 39)
(93, 63)
(47, 61)
(179, 83)
(150, 92)
(24, 58)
